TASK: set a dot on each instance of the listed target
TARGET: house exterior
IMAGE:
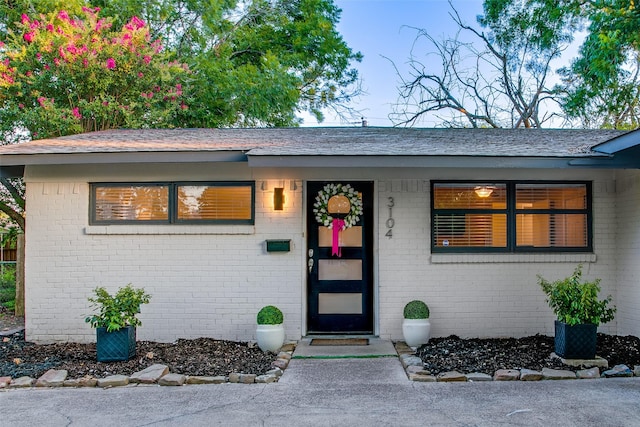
(216, 223)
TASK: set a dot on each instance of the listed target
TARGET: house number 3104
(390, 221)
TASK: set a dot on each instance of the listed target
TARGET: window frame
(172, 203)
(511, 215)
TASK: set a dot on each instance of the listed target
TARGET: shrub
(575, 302)
(416, 309)
(269, 315)
(118, 311)
(8, 286)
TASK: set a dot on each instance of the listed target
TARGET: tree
(269, 59)
(61, 75)
(481, 79)
(601, 87)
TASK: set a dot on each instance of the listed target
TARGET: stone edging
(155, 374)
(415, 371)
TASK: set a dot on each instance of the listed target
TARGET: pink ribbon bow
(338, 225)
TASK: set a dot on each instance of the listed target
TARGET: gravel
(488, 355)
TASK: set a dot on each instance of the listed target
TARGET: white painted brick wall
(201, 284)
(206, 284)
(480, 295)
(627, 245)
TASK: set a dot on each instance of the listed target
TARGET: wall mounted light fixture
(278, 199)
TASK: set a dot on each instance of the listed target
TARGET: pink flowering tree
(62, 75)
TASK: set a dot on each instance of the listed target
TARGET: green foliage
(601, 87)
(575, 302)
(416, 309)
(257, 62)
(8, 286)
(63, 75)
(117, 311)
(269, 315)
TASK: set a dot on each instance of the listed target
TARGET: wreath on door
(338, 201)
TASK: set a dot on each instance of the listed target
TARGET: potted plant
(579, 312)
(270, 331)
(116, 322)
(416, 327)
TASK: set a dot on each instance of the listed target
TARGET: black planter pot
(115, 346)
(576, 342)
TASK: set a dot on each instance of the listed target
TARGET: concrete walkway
(334, 391)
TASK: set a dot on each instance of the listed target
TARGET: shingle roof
(329, 141)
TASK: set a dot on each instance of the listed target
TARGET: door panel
(340, 287)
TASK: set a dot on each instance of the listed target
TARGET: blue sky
(379, 29)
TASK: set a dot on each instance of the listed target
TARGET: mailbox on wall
(278, 245)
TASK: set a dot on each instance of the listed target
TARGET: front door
(340, 268)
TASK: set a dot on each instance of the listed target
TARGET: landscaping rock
(172, 380)
(275, 371)
(530, 375)
(22, 382)
(284, 355)
(264, 379)
(206, 380)
(86, 381)
(420, 378)
(557, 374)
(150, 374)
(248, 378)
(113, 381)
(52, 378)
(451, 376)
(636, 371)
(618, 371)
(587, 363)
(478, 376)
(506, 375)
(410, 360)
(280, 363)
(588, 374)
(417, 370)
(288, 347)
(4, 382)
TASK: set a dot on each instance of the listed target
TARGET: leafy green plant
(270, 315)
(416, 309)
(575, 302)
(8, 286)
(117, 311)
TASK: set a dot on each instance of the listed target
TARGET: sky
(381, 31)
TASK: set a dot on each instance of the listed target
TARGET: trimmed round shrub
(270, 315)
(416, 309)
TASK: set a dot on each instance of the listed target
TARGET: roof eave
(122, 157)
(501, 162)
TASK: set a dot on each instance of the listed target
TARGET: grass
(8, 286)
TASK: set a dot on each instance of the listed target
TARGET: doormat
(340, 341)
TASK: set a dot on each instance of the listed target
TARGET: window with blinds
(216, 202)
(511, 216)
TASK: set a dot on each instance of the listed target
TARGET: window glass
(470, 196)
(214, 202)
(131, 203)
(229, 203)
(510, 216)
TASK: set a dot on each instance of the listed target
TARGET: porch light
(278, 198)
(483, 191)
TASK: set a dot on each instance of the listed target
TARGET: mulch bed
(534, 352)
(202, 356)
(211, 357)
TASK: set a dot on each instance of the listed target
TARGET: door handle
(310, 264)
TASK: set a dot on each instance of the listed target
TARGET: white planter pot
(270, 337)
(416, 331)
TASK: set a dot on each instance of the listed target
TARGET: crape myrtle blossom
(62, 74)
